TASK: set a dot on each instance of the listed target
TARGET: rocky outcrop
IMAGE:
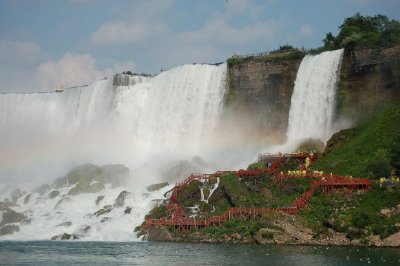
(261, 87)
(260, 91)
(120, 201)
(104, 210)
(159, 233)
(9, 229)
(10, 216)
(89, 174)
(65, 236)
(54, 193)
(158, 186)
(370, 80)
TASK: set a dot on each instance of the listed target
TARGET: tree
(358, 29)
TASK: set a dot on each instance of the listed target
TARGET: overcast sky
(47, 43)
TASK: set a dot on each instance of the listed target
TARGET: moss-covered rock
(104, 210)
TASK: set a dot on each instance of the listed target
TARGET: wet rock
(104, 210)
(27, 198)
(42, 189)
(61, 202)
(16, 194)
(99, 198)
(159, 233)
(86, 187)
(7, 204)
(156, 187)
(128, 210)
(105, 219)
(54, 193)
(83, 230)
(120, 201)
(60, 182)
(65, 236)
(9, 229)
(65, 224)
(10, 216)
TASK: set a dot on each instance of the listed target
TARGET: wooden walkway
(327, 182)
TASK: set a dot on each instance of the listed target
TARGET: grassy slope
(373, 139)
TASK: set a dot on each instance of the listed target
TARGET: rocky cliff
(370, 79)
(261, 87)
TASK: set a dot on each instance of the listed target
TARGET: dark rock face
(120, 201)
(370, 80)
(104, 210)
(54, 194)
(65, 236)
(159, 233)
(260, 91)
(98, 199)
(10, 216)
(65, 224)
(9, 229)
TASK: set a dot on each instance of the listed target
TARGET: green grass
(372, 141)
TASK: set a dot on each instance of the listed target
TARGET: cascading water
(313, 100)
(139, 124)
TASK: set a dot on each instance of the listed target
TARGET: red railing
(326, 181)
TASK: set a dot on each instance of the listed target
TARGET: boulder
(99, 198)
(11, 216)
(104, 210)
(16, 194)
(27, 198)
(392, 240)
(54, 194)
(158, 186)
(86, 187)
(42, 189)
(65, 224)
(128, 210)
(120, 201)
(65, 236)
(7, 204)
(61, 202)
(159, 233)
(9, 229)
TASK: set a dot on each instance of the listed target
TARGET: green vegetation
(371, 150)
(276, 56)
(364, 30)
(357, 216)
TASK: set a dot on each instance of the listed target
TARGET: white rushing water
(148, 125)
(313, 99)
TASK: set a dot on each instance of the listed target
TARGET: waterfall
(313, 100)
(105, 122)
(146, 123)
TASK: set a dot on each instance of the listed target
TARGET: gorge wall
(261, 87)
(370, 80)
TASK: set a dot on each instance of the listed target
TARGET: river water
(153, 253)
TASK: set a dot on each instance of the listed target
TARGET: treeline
(364, 30)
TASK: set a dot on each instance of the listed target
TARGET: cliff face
(370, 79)
(260, 88)
(260, 91)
